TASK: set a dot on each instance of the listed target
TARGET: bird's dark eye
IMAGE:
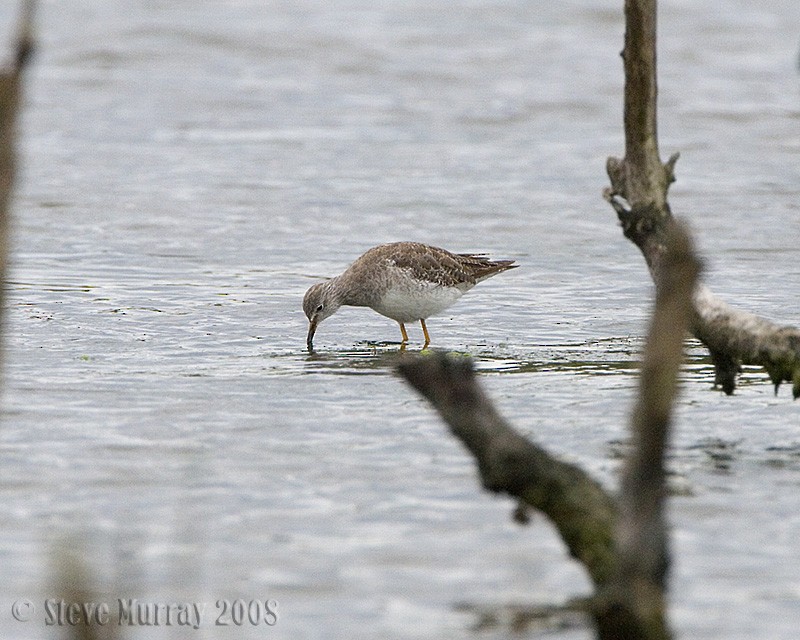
(319, 308)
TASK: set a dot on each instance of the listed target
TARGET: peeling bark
(638, 193)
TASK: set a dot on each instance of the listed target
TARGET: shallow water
(190, 168)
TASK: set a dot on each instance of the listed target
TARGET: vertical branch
(633, 605)
(641, 92)
(10, 92)
(640, 181)
(643, 483)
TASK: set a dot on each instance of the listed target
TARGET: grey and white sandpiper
(404, 281)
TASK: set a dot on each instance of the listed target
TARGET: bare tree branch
(622, 543)
(583, 513)
(638, 193)
(634, 598)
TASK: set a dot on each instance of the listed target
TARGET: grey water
(189, 168)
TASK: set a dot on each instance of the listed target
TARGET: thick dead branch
(736, 337)
(638, 193)
(579, 508)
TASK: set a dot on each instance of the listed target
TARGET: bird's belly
(404, 304)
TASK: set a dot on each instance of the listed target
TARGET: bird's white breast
(413, 300)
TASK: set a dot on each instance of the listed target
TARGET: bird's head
(320, 302)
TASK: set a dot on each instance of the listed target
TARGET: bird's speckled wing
(440, 266)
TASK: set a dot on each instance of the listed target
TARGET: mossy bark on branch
(735, 337)
(638, 193)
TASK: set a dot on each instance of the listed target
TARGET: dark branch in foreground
(638, 193)
(621, 542)
(583, 513)
(634, 598)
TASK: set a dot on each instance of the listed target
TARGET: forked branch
(638, 193)
(622, 541)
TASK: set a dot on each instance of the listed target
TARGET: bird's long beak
(312, 327)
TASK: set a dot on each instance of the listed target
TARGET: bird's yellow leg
(425, 333)
(403, 331)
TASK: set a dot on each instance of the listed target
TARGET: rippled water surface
(191, 167)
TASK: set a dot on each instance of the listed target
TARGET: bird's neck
(335, 292)
(343, 292)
